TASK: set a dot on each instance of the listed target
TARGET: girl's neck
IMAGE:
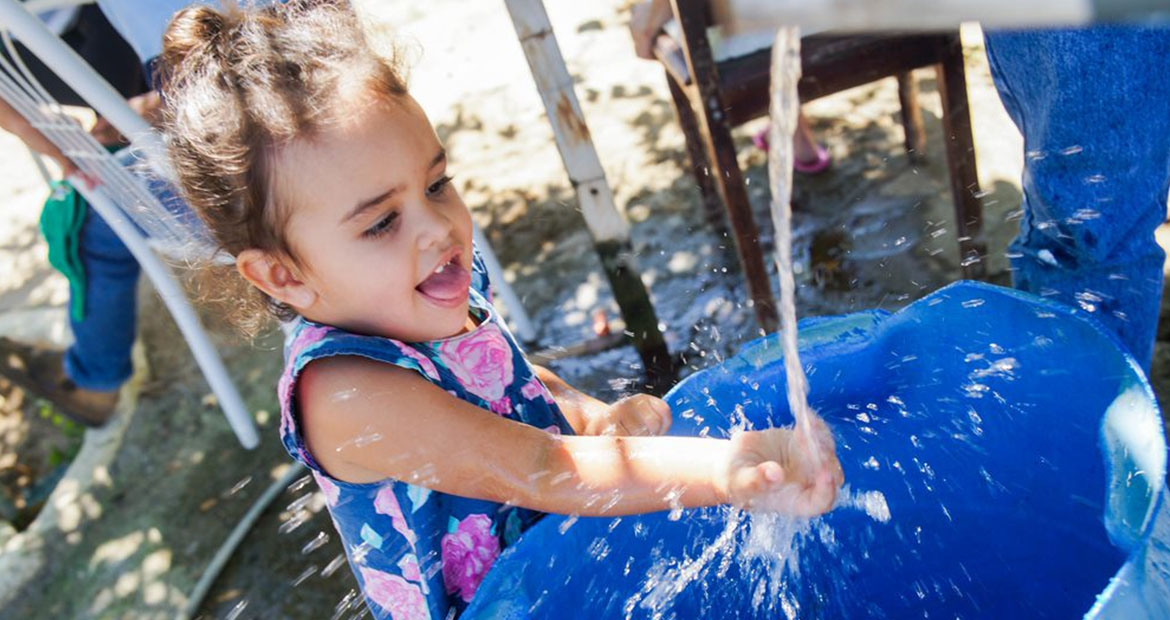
(474, 320)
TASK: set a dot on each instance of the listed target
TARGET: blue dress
(419, 553)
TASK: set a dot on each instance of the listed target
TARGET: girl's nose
(434, 226)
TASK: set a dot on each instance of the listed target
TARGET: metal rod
(73, 70)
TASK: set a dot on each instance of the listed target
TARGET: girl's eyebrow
(363, 205)
(368, 203)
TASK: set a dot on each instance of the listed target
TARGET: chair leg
(960, 147)
(238, 416)
(700, 165)
(729, 179)
(912, 117)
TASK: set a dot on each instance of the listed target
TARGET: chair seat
(830, 63)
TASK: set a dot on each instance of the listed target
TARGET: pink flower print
(385, 503)
(502, 406)
(481, 361)
(328, 489)
(468, 552)
(534, 389)
(424, 363)
(402, 599)
(284, 393)
(409, 567)
(553, 429)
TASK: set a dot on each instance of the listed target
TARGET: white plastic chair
(123, 200)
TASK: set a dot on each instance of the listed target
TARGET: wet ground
(137, 524)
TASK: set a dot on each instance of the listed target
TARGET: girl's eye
(382, 226)
(439, 187)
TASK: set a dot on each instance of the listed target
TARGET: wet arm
(366, 421)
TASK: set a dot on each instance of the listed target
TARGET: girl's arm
(640, 414)
(365, 421)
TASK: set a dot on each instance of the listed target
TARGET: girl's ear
(271, 275)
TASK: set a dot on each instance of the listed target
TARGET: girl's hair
(239, 85)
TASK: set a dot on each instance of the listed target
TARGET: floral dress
(419, 553)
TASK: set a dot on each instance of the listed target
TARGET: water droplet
(337, 562)
(239, 486)
(567, 523)
(305, 574)
(237, 611)
(316, 543)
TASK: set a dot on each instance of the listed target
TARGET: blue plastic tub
(1019, 453)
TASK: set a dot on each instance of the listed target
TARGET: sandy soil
(133, 543)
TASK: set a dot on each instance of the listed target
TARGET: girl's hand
(778, 470)
(637, 415)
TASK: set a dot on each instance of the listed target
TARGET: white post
(610, 232)
(517, 316)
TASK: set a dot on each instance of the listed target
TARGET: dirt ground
(131, 537)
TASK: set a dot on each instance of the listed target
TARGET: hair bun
(194, 32)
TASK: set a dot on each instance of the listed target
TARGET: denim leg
(1093, 106)
(99, 358)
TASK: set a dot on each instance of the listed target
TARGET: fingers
(659, 415)
(778, 473)
(105, 133)
(758, 486)
(638, 415)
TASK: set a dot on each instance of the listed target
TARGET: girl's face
(383, 238)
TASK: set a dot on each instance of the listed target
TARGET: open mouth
(448, 284)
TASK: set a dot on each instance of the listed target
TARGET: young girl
(434, 441)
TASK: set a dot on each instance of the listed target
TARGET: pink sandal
(823, 161)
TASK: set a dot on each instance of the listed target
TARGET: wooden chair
(711, 96)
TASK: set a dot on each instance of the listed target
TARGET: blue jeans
(99, 358)
(1093, 106)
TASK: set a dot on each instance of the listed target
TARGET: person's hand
(637, 415)
(783, 470)
(646, 21)
(15, 123)
(148, 105)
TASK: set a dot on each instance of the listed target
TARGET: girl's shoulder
(307, 341)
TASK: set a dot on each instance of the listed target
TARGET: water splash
(765, 546)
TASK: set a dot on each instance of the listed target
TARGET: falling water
(785, 111)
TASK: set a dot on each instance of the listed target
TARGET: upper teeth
(441, 268)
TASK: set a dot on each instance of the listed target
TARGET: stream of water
(785, 110)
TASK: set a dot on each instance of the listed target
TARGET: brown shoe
(41, 373)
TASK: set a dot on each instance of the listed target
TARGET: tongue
(452, 283)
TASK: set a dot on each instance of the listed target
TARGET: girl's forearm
(611, 476)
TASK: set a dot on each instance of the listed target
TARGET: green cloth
(61, 223)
